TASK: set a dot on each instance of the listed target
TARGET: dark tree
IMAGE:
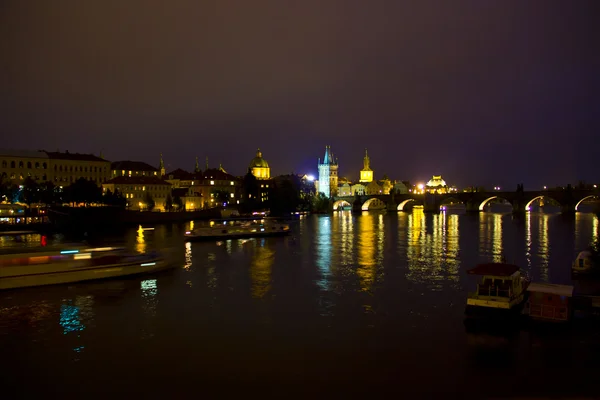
(178, 203)
(221, 197)
(284, 197)
(83, 191)
(250, 193)
(149, 201)
(321, 203)
(31, 191)
(168, 202)
(48, 193)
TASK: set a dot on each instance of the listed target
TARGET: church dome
(436, 181)
(259, 161)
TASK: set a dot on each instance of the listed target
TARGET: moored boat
(501, 292)
(586, 264)
(21, 268)
(238, 228)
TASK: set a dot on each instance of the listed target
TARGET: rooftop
(132, 166)
(216, 174)
(73, 156)
(550, 288)
(23, 153)
(142, 180)
(494, 269)
(182, 174)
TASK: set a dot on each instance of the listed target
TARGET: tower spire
(206, 162)
(161, 166)
(197, 167)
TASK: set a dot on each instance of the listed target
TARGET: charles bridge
(569, 199)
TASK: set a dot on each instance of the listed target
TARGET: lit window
(212, 182)
(231, 195)
(212, 195)
(267, 185)
(143, 187)
(123, 172)
(231, 183)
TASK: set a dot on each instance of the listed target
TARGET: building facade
(137, 189)
(62, 169)
(328, 174)
(366, 174)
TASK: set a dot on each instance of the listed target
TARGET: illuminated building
(400, 188)
(67, 167)
(366, 174)
(374, 188)
(137, 188)
(216, 185)
(436, 185)
(344, 190)
(358, 189)
(328, 174)
(60, 168)
(132, 168)
(259, 167)
(16, 165)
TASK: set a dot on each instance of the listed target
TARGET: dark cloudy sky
(485, 92)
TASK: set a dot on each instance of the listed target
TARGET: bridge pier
(519, 207)
(568, 209)
(472, 206)
(431, 204)
(357, 206)
(391, 207)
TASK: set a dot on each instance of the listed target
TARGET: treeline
(284, 195)
(81, 191)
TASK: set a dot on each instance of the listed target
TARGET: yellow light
(420, 186)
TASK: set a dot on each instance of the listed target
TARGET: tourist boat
(53, 265)
(501, 292)
(238, 228)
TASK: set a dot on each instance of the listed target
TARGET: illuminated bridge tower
(328, 174)
(366, 174)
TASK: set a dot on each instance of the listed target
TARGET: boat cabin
(501, 285)
(584, 261)
(549, 302)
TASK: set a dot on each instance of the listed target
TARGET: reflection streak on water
(323, 248)
(140, 241)
(188, 256)
(528, 241)
(149, 296)
(366, 251)
(595, 232)
(497, 239)
(75, 316)
(260, 269)
(490, 236)
(543, 247)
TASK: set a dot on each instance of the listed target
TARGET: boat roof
(551, 288)
(30, 251)
(495, 269)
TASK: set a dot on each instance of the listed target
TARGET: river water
(348, 305)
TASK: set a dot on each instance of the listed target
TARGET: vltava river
(349, 305)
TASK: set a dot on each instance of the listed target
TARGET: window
(231, 195)
(44, 165)
(12, 164)
(37, 164)
(20, 164)
(212, 182)
(4, 164)
(231, 183)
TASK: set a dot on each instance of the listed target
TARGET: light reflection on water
(246, 293)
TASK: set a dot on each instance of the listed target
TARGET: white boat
(51, 265)
(238, 228)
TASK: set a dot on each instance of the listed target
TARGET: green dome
(258, 161)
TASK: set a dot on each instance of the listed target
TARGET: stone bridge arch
(403, 204)
(341, 203)
(539, 197)
(486, 201)
(373, 201)
(593, 196)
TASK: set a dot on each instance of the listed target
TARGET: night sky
(482, 92)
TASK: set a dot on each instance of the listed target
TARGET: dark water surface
(368, 305)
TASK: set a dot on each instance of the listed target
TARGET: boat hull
(244, 235)
(84, 274)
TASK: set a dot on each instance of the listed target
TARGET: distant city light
(310, 178)
(420, 186)
(545, 187)
(496, 187)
